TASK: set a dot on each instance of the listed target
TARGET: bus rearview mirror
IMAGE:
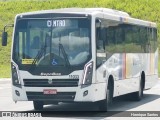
(4, 39)
(98, 23)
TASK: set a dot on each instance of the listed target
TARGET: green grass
(141, 9)
(5, 71)
(159, 68)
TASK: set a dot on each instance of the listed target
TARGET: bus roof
(80, 10)
(105, 11)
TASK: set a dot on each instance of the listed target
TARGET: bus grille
(60, 96)
(51, 83)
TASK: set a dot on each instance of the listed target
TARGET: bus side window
(99, 36)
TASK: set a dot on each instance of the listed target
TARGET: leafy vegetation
(141, 9)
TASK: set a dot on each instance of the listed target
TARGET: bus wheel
(104, 104)
(38, 105)
(137, 96)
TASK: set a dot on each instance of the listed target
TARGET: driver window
(99, 36)
(21, 44)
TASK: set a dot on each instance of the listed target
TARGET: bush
(141, 9)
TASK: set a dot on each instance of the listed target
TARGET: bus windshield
(52, 42)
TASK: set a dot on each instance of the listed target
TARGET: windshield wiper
(40, 52)
(39, 55)
(64, 54)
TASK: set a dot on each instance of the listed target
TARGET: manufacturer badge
(50, 81)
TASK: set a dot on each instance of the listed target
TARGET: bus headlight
(15, 78)
(87, 76)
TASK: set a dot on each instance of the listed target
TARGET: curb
(5, 79)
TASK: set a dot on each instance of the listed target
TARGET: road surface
(150, 102)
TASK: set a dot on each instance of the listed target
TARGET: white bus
(81, 55)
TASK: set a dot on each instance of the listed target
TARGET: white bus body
(135, 62)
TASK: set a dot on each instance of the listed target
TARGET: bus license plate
(49, 91)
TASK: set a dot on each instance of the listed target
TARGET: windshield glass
(52, 42)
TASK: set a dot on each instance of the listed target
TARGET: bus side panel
(120, 66)
(126, 69)
(151, 69)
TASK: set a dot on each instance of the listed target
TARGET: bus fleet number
(74, 76)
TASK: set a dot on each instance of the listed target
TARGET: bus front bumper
(91, 93)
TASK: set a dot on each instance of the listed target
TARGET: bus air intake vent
(51, 82)
(60, 96)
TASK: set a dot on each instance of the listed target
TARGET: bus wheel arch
(111, 84)
(143, 79)
(38, 105)
(104, 104)
(137, 96)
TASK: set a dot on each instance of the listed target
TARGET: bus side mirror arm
(5, 34)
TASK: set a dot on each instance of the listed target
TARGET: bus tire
(137, 96)
(38, 105)
(104, 104)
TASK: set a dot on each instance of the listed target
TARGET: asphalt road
(150, 102)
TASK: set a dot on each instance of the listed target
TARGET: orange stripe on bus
(124, 63)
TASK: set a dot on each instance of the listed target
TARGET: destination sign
(62, 23)
(56, 23)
